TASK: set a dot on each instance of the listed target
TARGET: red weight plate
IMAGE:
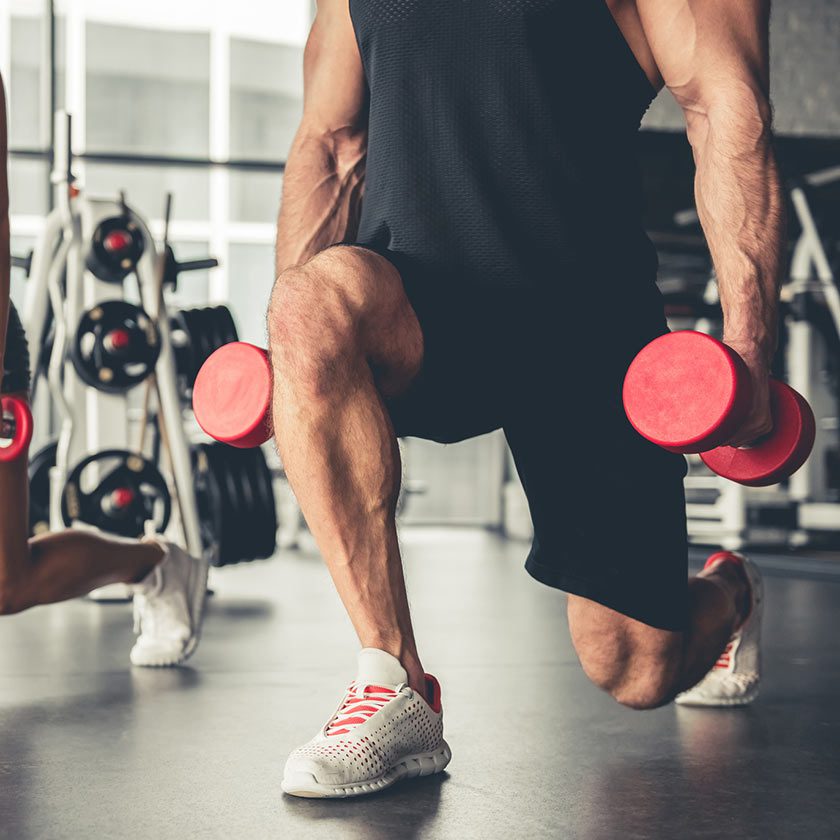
(232, 395)
(21, 416)
(686, 391)
(780, 454)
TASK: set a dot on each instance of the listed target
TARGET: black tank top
(501, 145)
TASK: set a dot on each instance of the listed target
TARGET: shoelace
(724, 661)
(359, 704)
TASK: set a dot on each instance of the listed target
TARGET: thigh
(457, 391)
(608, 507)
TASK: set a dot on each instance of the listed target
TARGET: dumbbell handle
(16, 427)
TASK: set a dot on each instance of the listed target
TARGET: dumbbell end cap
(686, 392)
(232, 395)
(780, 454)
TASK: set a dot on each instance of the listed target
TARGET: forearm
(740, 203)
(322, 195)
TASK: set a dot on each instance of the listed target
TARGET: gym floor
(92, 748)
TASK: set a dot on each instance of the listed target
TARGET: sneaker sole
(410, 767)
(722, 703)
(197, 606)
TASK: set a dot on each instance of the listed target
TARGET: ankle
(408, 658)
(729, 575)
(151, 557)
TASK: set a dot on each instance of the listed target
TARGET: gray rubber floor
(90, 748)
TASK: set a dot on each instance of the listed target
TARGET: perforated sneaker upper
(373, 728)
(736, 674)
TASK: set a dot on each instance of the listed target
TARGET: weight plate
(236, 502)
(115, 249)
(115, 347)
(130, 491)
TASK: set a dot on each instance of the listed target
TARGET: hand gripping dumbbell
(15, 428)
(232, 395)
(689, 392)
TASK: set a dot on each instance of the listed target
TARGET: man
(475, 162)
(169, 585)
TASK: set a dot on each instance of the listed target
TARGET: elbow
(737, 116)
(343, 148)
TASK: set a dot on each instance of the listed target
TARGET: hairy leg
(342, 335)
(58, 566)
(643, 667)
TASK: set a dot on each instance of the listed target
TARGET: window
(147, 91)
(173, 81)
(266, 81)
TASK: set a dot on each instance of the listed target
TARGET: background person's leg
(343, 333)
(59, 566)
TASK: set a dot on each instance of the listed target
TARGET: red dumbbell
(689, 392)
(16, 430)
(232, 395)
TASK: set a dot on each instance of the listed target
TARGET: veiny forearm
(322, 195)
(741, 208)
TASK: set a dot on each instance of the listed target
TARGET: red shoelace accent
(361, 703)
(725, 658)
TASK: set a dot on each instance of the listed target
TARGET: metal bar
(48, 90)
(127, 159)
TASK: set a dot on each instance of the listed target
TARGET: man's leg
(643, 667)
(343, 334)
(58, 566)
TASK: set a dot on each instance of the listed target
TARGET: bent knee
(637, 665)
(634, 681)
(313, 327)
(651, 691)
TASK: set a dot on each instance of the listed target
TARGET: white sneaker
(169, 608)
(382, 732)
(735, 677)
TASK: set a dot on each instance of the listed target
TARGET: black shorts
(608, 507)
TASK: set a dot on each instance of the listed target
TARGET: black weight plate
(182, 348)
(240, 463)
(108, 367)
(208, 502)
(231, 513)
(114, 267)
(149, 495)
(202, 340)
(39, 488)
(267, 525)
(227, 327)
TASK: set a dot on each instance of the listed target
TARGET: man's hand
(759, 421)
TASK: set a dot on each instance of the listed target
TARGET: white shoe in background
(735, 677)
(169, 608)
(382, 731)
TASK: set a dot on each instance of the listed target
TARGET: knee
(636, 680)
(313, 321)
(637, 665)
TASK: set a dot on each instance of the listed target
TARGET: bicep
(708, 48)
(335, 91)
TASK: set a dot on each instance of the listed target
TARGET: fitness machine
(118, 365)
